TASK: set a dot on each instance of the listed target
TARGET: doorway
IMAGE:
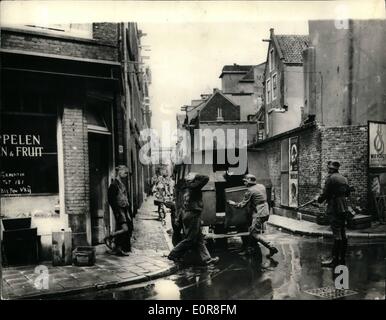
(99, 183)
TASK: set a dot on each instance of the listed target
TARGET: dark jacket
(335, 192)
(192, 194)
(256, 200)
(118, 200)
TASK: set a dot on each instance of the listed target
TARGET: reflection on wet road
(295, 269)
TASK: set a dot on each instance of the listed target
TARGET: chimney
(310, 90)
(271, 32)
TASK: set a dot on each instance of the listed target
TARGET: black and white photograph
(193, 150)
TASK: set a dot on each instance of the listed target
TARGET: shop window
(20, 100)
(28, 146)
(31, 103)
(284, 172)
(10, 100)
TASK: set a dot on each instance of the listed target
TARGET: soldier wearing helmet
(255, 199)
(335, 192)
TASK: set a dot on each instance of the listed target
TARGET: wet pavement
(147, 261)
(293, 271)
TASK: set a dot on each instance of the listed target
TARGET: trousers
(194, 239)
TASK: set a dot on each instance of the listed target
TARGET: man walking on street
(192, 206)
(335, 191)
(118, 200)
(255, 199)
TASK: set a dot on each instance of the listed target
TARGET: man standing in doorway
(255, 199)
(335, 191)
(192, 206)
(118, 200)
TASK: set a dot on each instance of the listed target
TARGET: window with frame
(268, 90)
(28, 144)
(271, 60)
(219, 113)
(260, 130)
(28, 154)
(284, 172)
(274, 86)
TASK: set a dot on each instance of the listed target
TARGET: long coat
(335, 192)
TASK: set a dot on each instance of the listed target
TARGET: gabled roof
(235, 68)
(192, 113)
(291, 47)
(249, 77)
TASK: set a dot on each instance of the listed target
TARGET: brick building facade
(64, 87)
(315, 146)
(333, 124)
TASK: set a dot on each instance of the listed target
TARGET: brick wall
(102, 49)
(76, 176)
(310, 164)
(317, 145)
(348, 145)
(106, 33)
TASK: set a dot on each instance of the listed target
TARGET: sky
(186, 60)
(190, 41)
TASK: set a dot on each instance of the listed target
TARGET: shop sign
(28, 155)
(377, 148)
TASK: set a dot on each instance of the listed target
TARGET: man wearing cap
(118, 200)
(192, 206)
(335, 191)
(255, 199)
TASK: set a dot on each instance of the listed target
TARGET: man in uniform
(192, 206)
(335, 191)
(118, 200)
(255, 199)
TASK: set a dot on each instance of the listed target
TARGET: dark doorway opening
(99, 183)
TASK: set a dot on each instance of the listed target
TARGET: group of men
(255, 200)
(335, 192)
(187, 207)
(162, 184)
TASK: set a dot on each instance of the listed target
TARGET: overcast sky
(190, 41)
(186, 59)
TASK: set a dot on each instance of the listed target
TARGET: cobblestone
(148, 247)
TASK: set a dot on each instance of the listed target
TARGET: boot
(108, 240)
(332, 263)
(343, 250)
(272, 249)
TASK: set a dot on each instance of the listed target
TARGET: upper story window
(271, 60)
(219, 114)
(274, 86)
(81, 30)
(268, 90)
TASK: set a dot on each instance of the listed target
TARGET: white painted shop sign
(28, 154)
(376, 141)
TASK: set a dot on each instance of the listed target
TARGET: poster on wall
(293, 172)
(377, 148)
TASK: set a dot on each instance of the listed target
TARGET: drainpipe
(350, 71)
